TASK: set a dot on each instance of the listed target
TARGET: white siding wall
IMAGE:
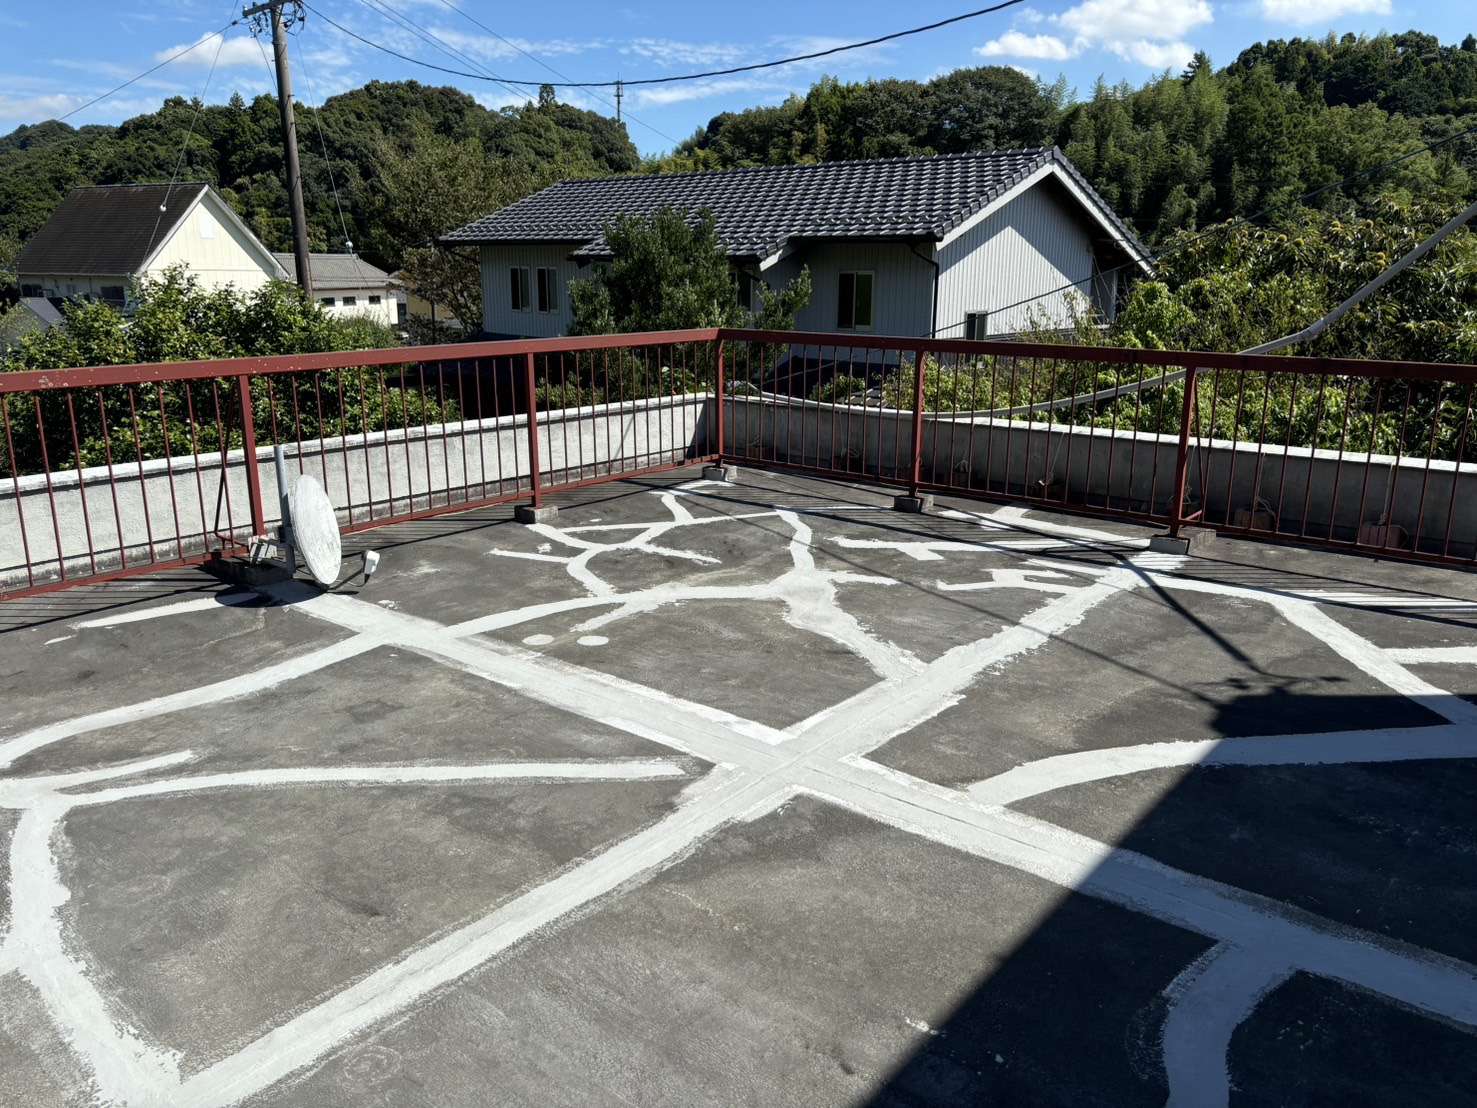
(386, 311)
(903, 289)
(497, 312)
(1032, 245)
(215, 250)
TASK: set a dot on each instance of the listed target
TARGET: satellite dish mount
(309, 532)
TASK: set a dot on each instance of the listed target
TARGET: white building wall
(216, 251)
(1034, 244)
(498, 316)
(902, 300)
(386, 311)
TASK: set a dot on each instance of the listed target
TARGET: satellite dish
(315, 533)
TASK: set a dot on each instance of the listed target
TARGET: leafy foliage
(176, 320)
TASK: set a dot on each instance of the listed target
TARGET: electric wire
(684, 76)
(562, 76)
(430, 39)
(190, 134)
(155, 69)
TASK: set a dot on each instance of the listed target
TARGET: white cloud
(670, 52)
(1321, 11)
(1156, 55)
(18, 110)
(1110, 21)
(657, 96)
(1014, 44)
(493, 48)
(241, 50)
(1150, 32)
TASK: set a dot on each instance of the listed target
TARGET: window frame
(848, 311)
(518, 289)
(546, 289)
(970, 318)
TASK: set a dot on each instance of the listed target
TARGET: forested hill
(387, 144)
(1182, 151)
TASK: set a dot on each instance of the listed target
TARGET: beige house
(104, 238)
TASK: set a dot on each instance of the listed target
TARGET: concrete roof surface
(750, 793)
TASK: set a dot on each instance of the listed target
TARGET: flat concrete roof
(751, 793)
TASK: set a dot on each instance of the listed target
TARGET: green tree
(175, 319)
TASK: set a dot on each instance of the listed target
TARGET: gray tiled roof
(106, 230)
(337, 271)
(759, 210)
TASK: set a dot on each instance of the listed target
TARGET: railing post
(248, 443)
(916, 473)
(1182, 456)
(533, 458)
(718, 403)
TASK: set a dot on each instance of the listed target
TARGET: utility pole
(620, 92)
(289, 127)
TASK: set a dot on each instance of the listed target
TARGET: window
(548, 289)
(854, 302)
(113, 293)
(31, 290)
(374, 300)
(977, 325)
(350, 301)
(326, 301)
(518, 283)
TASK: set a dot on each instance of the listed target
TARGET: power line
(685, 76)
(434, 41)
(563, 76)
(145, 73)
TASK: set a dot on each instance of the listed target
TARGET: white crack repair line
(758, 769)
(1212, 997)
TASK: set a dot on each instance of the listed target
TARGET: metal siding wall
(498, 317)
(1034, 244)
(902, 298)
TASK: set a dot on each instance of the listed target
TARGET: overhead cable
(684, 76)
(145, 73)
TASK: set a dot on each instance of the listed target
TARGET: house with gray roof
(104, 238)
(347, 285)
(959, 246)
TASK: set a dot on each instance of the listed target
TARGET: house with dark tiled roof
(961, 246)
(104, 238)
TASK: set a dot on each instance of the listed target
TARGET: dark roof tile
(758, 210)
(107, 231)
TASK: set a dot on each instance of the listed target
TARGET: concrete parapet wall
(1317, 493)
(167, 509)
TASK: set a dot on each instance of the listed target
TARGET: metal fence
(1356, 455)
(124, 469)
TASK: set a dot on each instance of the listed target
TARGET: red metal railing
(1356, 455)
(123, 469)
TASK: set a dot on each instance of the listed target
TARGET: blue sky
(55, 60)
